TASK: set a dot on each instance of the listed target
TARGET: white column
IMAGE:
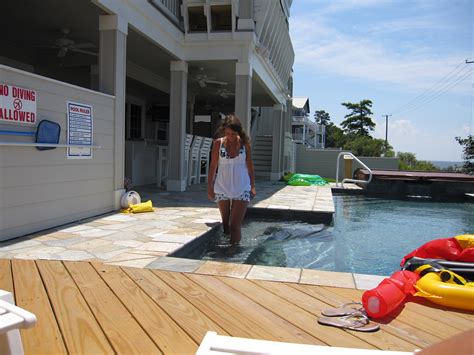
(245, 16)
(243, 93)
(112, 73)
(178, 96)
(277, 143)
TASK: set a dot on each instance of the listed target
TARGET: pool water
(368, 236)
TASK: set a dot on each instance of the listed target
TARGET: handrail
(351, 180)
(48, 145)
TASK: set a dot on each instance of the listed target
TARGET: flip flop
(344, 310)
(358, 322)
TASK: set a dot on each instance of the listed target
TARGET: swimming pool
(368, 236)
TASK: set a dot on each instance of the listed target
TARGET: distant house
(303, 127)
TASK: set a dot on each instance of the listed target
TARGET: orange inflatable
(390, 293)
(393, 291)
(459, 248)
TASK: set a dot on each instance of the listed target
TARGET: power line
(435, 88)
(427, 100)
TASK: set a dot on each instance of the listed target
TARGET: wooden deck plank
(380, 339)
(80, 330)
(30, 294)
(280, 328)
(218, 309)
(438, 326)
(406, 331)
(170, 338)
(297, 316)
(117, 297)
(191, 320)
(6, 278)
(459, 319)
(122, 330)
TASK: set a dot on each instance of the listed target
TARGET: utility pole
(386, 130)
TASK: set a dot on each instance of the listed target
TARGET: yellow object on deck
(445, 293)
(139, 208)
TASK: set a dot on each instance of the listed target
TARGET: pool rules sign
(17, 105)
(79, 130)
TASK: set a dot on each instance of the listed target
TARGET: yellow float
(446, 289)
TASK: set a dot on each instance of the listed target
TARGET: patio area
(178, 218)
(106, 284)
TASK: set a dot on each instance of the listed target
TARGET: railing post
(351, 180)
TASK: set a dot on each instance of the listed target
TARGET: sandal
(355, 321)
(344, 310)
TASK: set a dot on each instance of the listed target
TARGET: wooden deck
(92, 308)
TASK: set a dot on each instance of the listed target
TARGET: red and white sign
(17, 105)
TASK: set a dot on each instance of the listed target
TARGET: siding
(43, 189)
(323, 162)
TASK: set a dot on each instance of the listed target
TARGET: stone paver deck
(145, 240)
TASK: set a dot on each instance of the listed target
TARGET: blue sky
(407, 56)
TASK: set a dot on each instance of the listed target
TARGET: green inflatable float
(304, 180)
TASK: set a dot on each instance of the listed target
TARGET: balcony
(171, 9)
(273, 37)
(308, 132)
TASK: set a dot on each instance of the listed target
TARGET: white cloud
(322, 48)
(404, 136)
(331, 7)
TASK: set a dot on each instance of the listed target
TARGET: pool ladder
(351, 180)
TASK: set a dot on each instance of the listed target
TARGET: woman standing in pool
(231, 180)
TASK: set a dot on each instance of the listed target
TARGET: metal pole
(386, 130)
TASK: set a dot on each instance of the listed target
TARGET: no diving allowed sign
(17, 105)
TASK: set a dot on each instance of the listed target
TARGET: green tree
(367, 146)
(358, 122)
(322, 117)
(467, 153)
(408, 161)
(335, 137)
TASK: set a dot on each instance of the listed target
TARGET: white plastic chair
(187, 147)
(203, 165)
(161, 164)
(222, 344)
(162, 161)
(193, 163)
(11, 319)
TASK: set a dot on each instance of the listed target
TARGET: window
(221, 17)
(197, 20)
(134, 121)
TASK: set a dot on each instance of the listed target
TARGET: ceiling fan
(224, 93)
(203, 80)
(65, 44)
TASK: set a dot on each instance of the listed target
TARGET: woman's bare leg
(237, 214)
(224, 209)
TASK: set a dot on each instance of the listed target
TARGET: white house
(127, 78)
(303, 127)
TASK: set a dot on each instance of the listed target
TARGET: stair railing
(351, 180)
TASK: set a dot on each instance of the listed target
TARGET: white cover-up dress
(232, 180)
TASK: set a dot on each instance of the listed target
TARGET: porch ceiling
(32, 34)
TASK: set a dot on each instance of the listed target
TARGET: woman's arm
(213, 169)
(250, 168)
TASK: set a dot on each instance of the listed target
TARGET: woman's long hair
(232, 122)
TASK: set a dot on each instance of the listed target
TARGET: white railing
(351, 180)
(271, 28)
(171, 9)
